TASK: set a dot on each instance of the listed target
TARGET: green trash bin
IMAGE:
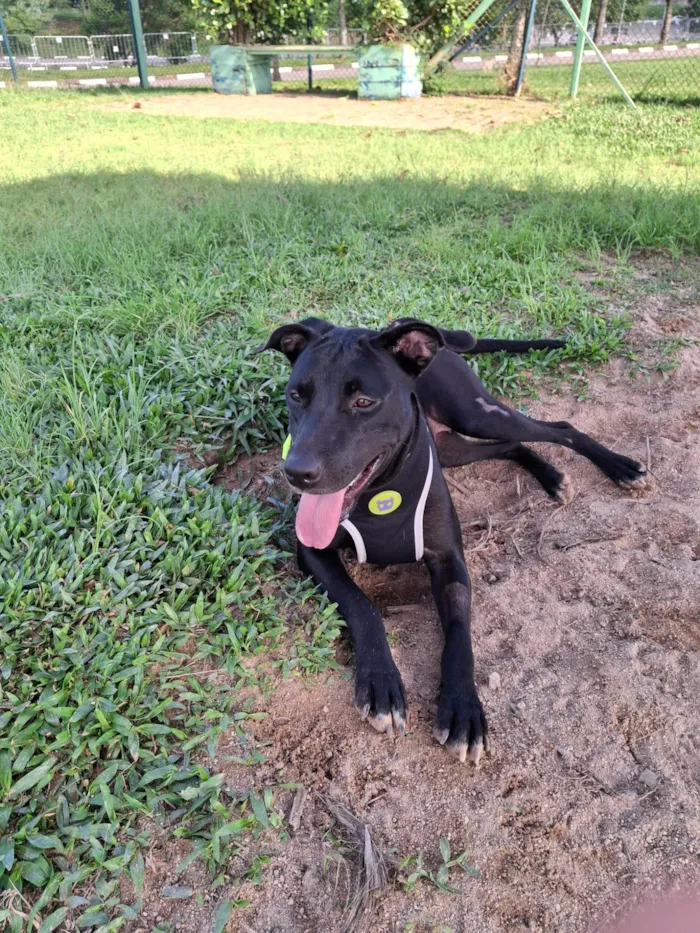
(236, 70)
(389, 72)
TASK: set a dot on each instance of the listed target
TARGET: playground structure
(384, 72)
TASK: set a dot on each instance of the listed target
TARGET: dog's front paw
(461, 724)
(628, 473)
(380, 697)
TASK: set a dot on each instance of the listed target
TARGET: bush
(426, 24)
(243, 22)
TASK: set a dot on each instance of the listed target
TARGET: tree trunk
(601, 22)
(238, 34)
(510, 74)
(276, 76)
(342, 23)
(666, 26)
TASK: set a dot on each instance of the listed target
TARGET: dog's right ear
(290, 339)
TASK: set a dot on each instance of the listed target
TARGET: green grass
(675, 80)
(111, 71)
(141, 261)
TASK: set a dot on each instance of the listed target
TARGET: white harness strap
(360, 549)
(358, 541)
(420, 509)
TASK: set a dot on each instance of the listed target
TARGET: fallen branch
(485, 540)
(458, 486)
(297, 808)
(372, 869)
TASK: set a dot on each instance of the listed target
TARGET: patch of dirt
(590, 614)
(260, 474)
(431, 114)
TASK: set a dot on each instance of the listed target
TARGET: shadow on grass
(613, 214)
(145, 253)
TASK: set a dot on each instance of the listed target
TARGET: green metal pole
(6, 43)
(468, 23)
(309, 60)
(601, 58)
(580, 43)
(139, 45)
(526, 46)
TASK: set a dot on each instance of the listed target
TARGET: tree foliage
(260, 21)
(97, 16)
(112, 16)
(427, 24)
(24, 16)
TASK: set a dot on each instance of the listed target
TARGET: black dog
(367, 466)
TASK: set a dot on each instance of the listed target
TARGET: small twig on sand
(190, 673)
(649, 792)
(7, 899)
(515, 545)
(544, 528)
(391, 610)
(517, 484)
(373, 873)
(485, 540)
(648, 455)
(458, 486)
(581, 541)
(297, 808)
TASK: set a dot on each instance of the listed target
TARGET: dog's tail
(464, 343)
(490, 345)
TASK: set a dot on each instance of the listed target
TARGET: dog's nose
(302, 472)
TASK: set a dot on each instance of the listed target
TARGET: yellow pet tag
(385, 502)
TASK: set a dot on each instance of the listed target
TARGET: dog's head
(350, 410)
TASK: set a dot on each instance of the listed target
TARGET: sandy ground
(428, 113)
(590, 614)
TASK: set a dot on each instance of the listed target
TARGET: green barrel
(235, 70)
(389, 72)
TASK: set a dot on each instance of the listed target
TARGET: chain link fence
(173, 59)
(106, 59)
(654, 58)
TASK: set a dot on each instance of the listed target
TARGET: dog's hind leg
(453, 397)
(455, 450)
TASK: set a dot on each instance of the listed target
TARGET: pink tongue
(318, 518)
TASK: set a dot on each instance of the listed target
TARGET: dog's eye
(363, 402)
(294, 396)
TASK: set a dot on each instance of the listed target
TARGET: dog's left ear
(290, 339)
(413, 344)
